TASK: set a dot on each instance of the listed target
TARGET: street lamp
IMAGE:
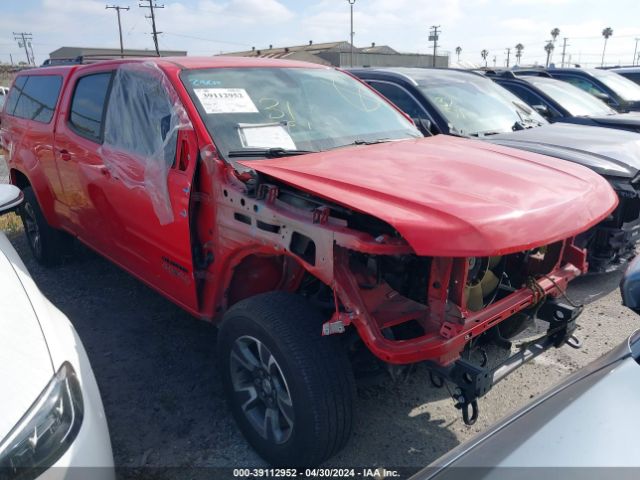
(351, 2)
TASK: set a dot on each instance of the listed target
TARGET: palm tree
(554, 34)
(519, 48)
(484, 54)
(606, 33)
(549, 48)
(458, 52)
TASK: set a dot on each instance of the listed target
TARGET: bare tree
(458, 52)
(606, 33)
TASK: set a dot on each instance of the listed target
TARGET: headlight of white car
(47, 430)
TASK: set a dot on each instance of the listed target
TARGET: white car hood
(25, 363)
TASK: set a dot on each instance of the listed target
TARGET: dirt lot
(156, 368)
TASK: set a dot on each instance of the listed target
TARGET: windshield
(310, 109)
(477, 106)
(575, 100)
(624, 87)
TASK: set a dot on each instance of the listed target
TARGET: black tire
(316, 372)
(48, 245)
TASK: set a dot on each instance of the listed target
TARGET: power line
(152, 16)
(24, 40)
(117, 9)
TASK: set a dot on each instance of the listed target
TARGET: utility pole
(433, 37)
(564, 49)
(23, 39)
(508, 56)
(351, 2)
(635, 52)
(117, 9)
(155, 33)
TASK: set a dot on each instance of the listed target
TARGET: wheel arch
(41, 190)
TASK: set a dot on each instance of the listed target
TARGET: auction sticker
(225, 100)
(267, 135)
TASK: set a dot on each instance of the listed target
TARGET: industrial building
(66, 53)
(339, 54)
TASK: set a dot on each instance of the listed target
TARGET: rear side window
(14, 94)
(87, 106)
(34, 97)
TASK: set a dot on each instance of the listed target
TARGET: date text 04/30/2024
(315, 473)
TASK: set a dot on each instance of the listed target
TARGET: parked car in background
(559, 101)
(632, 73)
(468, 104)
(560, 433)
(52, 414)
(308, 217)
(617, 91)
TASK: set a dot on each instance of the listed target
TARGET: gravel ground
(156, 369)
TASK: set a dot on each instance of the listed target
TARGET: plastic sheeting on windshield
(141, 128)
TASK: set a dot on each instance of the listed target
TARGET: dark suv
(559, 101)
(619, 92)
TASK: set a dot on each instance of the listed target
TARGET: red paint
(450, 196)
(447, 198)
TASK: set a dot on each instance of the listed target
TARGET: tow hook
(463, 404)
(574, 342)
(474, 381)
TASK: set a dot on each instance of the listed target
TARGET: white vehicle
(4, 91)
(51, 414)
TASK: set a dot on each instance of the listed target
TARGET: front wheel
(290, 389)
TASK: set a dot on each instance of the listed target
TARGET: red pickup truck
(306, 215)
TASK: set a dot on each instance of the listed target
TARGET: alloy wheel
(261, 389)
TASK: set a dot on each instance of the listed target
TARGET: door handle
(65, 155)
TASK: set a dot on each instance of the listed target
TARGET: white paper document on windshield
(225, 100)
(265, 135)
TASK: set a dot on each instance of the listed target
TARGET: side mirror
(602, 96)
(424, 126)
(10, 198)
(630, 286)
(542, 110)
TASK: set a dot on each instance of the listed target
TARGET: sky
(206, 27)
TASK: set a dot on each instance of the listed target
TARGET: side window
(632, 76)
(401, 98)
(584, 84)
(14, 94)
(38, 98)
(141, 118)
(526, 95)
(87, 106)
(141, 132)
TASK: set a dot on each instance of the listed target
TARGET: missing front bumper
(472, 381)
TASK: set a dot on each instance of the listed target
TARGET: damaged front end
(612, 243)
(406, 308)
